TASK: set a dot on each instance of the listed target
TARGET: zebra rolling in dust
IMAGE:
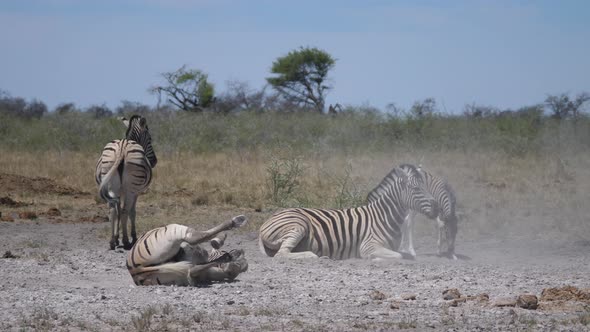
(170, 255)
(123, 171)
(371, 231)
(446, 200)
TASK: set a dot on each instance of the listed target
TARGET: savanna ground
(524, 224)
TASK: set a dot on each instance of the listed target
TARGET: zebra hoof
(127, 246)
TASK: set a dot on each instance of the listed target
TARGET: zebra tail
(269, 249)
(104, 183)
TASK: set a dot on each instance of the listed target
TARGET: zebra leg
(441, 228)
(114, 209)
(132, 220)
(410, 230)
(379, 253)
(195, 237)
(289, 241)
(127, 205)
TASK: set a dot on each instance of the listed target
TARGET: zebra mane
(394, 176)
(138, 131)
(136, 125)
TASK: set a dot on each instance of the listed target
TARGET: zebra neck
(392, 208)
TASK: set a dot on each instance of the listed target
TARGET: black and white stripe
(170, 255)
(445, 197)
(123, 171)
(371, 231)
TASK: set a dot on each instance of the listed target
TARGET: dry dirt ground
(57, 274)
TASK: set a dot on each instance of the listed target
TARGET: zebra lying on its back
(123, 171)
(170, 255)
(445, 198)
(371, 231)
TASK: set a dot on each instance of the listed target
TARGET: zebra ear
(125, 121)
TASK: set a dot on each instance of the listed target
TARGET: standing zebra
(371, 231)
(170, 255)
(445, 198)
(123, 171)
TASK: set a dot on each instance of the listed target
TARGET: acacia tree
(187, 89)
(562, 106)
(301, 76)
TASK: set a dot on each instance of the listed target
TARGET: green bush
(348, 132)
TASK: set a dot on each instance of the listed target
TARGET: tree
(100, 111)
(301, 76)
(562, 106)
(187, 89)
(239, 96)
(424, 108)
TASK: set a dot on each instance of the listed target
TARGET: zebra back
(138, 131)
(157, 246)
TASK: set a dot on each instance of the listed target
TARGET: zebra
(170, 255)
(123, 171)
(370, 232)
(442, 192)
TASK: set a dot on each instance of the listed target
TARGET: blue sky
(501, 53)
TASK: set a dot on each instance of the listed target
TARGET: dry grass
(496, 192)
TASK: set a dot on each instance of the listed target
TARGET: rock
(504, 302)
(394, 305)
(456, 302)
(230, 302)
(9, 254)
(483, 297)
(54, 212)
(566, 293)
(527, 301)
(377, 295)
(6, 217)
(408, 297)
(451, 294)
(27, 215)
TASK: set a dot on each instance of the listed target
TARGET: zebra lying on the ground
(371, 231)
(123, 171)
(445, 198)
(170, 255)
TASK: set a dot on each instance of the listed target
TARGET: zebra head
(413, 174)
(413, 193)
(138, 131)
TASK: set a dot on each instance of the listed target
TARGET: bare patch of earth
(11, 183)
(62, 277)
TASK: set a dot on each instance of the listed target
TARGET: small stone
(527, 301)
(394, 305)
(9, 254)
(451, 294)
(230, 302)
(483, 297)
(408, 297)
(103, 297)
(54, 212)
(377, 295)
(27, 215)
